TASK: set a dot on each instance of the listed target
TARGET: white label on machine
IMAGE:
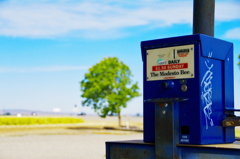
(170, 63)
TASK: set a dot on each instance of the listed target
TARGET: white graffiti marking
(206, 96)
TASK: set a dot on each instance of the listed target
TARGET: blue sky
(46, 46)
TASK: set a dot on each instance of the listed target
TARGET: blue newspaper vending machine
(196, 73)
(188, 101)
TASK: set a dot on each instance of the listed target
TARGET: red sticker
(170, 67)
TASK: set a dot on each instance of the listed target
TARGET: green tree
(107, 87)
(239, 60)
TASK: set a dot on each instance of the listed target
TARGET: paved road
(85, 145)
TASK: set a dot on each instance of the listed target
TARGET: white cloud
(233, 34)
(42, 69)
(91, 18)
(227, 11)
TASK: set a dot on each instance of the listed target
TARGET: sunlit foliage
(107, 87)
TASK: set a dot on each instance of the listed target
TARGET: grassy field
(82, 123)
(237, 133)
(10, 120)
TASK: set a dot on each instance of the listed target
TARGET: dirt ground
(84, 141)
